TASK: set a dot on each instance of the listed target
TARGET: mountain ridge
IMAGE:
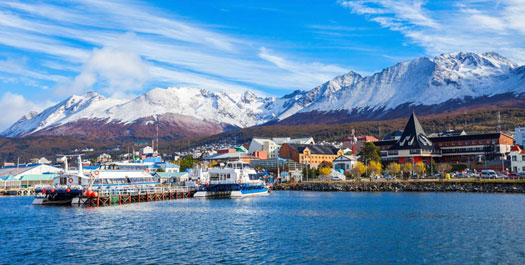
(429, 84)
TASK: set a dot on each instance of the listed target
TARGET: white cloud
(116, 69)
(14, 106)
(192, 53)
(474, 25)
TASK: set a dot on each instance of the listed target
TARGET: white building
(18, 171)
(265, 145)
(148, 150)
(519, 136)
(273, 145)
(344, 162)
(517, 159)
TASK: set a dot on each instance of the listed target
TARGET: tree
(358, 170)
(160, 169)
(443, 167)
(325, 171)
(406, 167)
(370, 152)
(186, 162)
(393, 168)
(374, 168)
(420, 168)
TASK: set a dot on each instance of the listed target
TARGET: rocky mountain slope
(448, 82)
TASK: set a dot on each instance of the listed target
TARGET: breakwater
(408, 186)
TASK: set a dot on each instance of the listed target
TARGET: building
(309, 154)
(28, 175)
(471, 149)
(357, 143)
(344, 163)
(272, 146)
(519, 136)
(517, 159)
(264, 145)
(146, 151)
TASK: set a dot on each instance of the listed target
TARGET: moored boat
(235, 179)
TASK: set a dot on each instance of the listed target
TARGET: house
(309, 154)
(517, 159)
(344, 163)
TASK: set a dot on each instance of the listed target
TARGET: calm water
(285, 227)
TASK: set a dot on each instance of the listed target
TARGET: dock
(111, 197)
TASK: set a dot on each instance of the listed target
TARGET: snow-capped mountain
(447, 81)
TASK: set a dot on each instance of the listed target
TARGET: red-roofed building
(517, 159)
(357, 143)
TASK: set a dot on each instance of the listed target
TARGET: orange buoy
(88, 193)
(68, 190)
(95, 194)
(52, 190)
(44, 191)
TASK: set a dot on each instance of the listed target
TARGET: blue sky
(52, 49)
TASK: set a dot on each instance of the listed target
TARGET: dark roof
(466, 137)
(393, 135)
(413, 137)
(385, 142)
(315, 149)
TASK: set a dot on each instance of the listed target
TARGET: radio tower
(499, 122)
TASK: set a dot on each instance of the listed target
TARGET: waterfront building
(344, 163)
(28, 175)
(517, 159)
(519, 136)
(470, 149)
(309, 154)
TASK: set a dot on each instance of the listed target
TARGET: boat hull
(231, 191)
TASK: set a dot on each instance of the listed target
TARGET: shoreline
(474, 186)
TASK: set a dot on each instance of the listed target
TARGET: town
(405, 154)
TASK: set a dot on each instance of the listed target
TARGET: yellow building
(310, 154)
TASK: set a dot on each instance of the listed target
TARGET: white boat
(235, 179)
(67, 188)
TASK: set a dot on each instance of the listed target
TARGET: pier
(101, 198)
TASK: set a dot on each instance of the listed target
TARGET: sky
(50, 50)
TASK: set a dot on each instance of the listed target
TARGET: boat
(235, 179)
(67, 188)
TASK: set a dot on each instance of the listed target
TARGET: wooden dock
(110, 197)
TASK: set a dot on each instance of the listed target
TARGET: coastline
(501, 186)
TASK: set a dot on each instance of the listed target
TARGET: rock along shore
(407, 186)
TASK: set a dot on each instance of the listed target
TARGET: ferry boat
(67, 188)
(235, 179)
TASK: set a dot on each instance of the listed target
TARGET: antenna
(465, 118)
(499, 122)
(157, 137)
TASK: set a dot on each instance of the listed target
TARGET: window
(514, 158)
(523, 158)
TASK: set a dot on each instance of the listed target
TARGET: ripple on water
(285, 227)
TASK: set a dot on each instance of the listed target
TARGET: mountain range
(446, 83)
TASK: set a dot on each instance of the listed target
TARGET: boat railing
(144, 190)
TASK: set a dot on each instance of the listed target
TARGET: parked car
(512, 176)
(488, 174)
(521, 175)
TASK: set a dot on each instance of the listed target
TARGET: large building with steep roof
(414, 145)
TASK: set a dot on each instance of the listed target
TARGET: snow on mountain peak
(422, 81)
